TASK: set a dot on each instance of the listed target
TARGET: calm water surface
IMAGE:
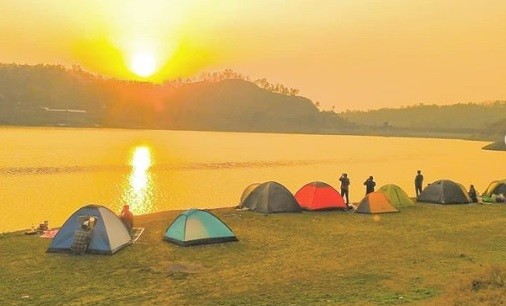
(47, 174)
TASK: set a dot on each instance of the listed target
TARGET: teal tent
(196, 226)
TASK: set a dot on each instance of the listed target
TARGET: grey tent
(246, 193)
(271, 197)
(444, 192)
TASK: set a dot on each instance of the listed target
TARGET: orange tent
(319, 196)
(375, 203)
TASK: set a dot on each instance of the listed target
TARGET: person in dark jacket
(345, 185)
(369, 185)
(418, 182)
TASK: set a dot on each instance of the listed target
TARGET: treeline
(229, 74)
(51, 95)
(496, 131)
(470, 117)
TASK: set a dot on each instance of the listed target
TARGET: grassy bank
(427, 254)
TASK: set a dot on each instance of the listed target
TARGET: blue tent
(109, 233)
(196, 226)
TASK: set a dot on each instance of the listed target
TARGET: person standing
(345, 184)
(369, 185)
(418, 182)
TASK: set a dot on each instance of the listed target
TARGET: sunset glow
(352, 54)
(143, 64)
(141, 159)
(138, 191)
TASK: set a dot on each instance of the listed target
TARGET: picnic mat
(136, 233)
(49, 234)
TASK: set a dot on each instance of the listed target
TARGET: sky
(346, 54)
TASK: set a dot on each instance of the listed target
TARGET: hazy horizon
(355, 55)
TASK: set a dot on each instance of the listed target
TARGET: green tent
(496, 187)
(396, 195)
(196, 226)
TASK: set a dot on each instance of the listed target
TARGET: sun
(143, 64)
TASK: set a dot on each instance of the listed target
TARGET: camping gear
(496, 187)
(319, 196)
(195, 226)
(397, 196)
(375, 203)
(444, 192)
(49, 234)
(109, 234)
(271, 197)
(135, 233)
(247, 192)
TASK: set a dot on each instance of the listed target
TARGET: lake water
(48, 173)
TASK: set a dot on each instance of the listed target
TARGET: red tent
(318, 196)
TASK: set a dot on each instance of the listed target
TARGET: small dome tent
(496, 188)
(375, 203)
(247, 192)
(396, 195)
(271, 197)
(319, 196)
(444, 192)
(195, 226)
(109, 233)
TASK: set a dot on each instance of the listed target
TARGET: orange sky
(354, 54)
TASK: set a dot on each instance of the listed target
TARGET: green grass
(427, 254)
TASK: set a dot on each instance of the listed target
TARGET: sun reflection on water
(138, 191)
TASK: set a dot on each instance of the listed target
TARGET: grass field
(427, 254)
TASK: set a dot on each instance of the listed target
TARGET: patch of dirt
(184, 267)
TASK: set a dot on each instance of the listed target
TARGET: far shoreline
(398, 133)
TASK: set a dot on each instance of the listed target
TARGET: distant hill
(49, 95)
(486, 121)
(46, 95)
(470, 118)
(496, 131)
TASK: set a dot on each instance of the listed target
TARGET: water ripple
(185, 166)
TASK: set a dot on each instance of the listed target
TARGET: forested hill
(470, 117)
(48, 95)
(45, 95)
(471, 120)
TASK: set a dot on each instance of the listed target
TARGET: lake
(48, 173)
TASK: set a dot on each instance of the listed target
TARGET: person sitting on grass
(82, 238)
(127, 217)
(473, 194)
